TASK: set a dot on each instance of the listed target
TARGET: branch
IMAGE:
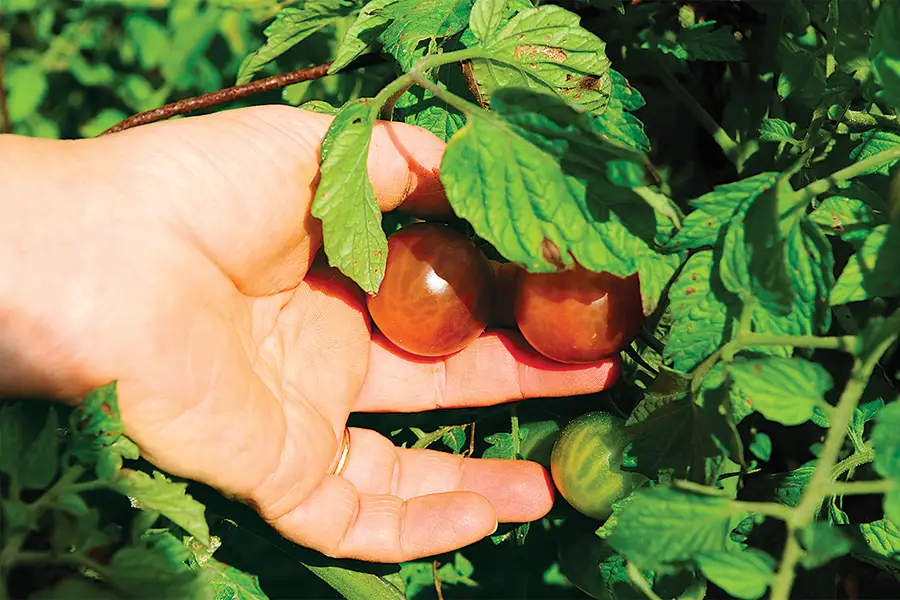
(187, 105)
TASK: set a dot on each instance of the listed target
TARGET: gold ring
(345, 452)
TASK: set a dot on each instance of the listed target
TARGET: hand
(180, 259)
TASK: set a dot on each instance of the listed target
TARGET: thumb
(240, 183)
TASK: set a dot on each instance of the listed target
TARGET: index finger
(497, 367)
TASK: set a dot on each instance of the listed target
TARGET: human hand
(180, 259)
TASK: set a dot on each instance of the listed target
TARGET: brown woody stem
(188, 105)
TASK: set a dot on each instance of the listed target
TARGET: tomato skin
(437, 293)
(578, 316)
(586, 461)
(539, 441)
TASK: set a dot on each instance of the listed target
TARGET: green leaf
(704, 41)
(75, 589)
(455, 439)
(802, 75)
(783, 389)
(345, 200)
(664, 525)
(550, 159)
(72, 504)
(884, 52)
(880, 545)
(230, 583)
(684, 438)
(812, 264)
(96, 424)
(872, 271)
(171, 499)
(745, 574)
(776, 130)
(362, 34)
(290, 27)
(26, 87)
(18, 515)
(822, 543)
(413, 21)
(502, 445)
(886, 437)
(617, 122)
(152, 573)
(873, 142)
(486, 17)
(852, 214)
(716, 209)
(546, 49)
(420, 107)
(761, 447)
(41, 460)
(701, 321)
(319, 106)
(766, 251)
(151, 39)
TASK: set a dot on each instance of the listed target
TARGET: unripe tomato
(586, 461)
(539, 440)
(437, 293)
(578, 316)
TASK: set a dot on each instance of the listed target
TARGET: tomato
(586, 464)
(578, 316)
(436, 296)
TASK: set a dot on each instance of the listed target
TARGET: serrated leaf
(766, 252)
(616, 121)
(886, 437)
(41, 461)
(745, 574)
(230, 583)
(319, 106)
(873, 270)
(413, 21)
(668, 386)
(884, 52)
(873, 142)
(486, 17)
(549, 158)
(546, 49)
(167, 497)
(880, 545)
(892, 505)
(761, 447)
(852, 214)
(664, 525)
(345, 200)
(802, 73)
(701, 322)
(420, 107)
(361, 35)
(822, 543)
(776, 130)
(290, 27)
(12, 438)
(684, 438)
(455, 439)
(502, 445)
(714, 210)
(96, 424)
(783, 389)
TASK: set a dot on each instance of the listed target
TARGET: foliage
(741, 157)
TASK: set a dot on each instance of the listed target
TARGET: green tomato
(591, 565)
(586, 462)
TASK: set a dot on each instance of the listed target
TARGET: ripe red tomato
(586, 464)
(437, 293)
(578, 316)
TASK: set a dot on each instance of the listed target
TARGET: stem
(729, 147)
(821, 480)
(430, 438)
(860, 488)
(851, 462)
(846, 343)
(638, 579)
(820, 186)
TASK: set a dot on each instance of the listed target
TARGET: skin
(179, 259)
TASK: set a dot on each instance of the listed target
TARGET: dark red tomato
(437, 293)
(578, 316)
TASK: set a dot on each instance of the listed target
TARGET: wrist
(43, 206)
